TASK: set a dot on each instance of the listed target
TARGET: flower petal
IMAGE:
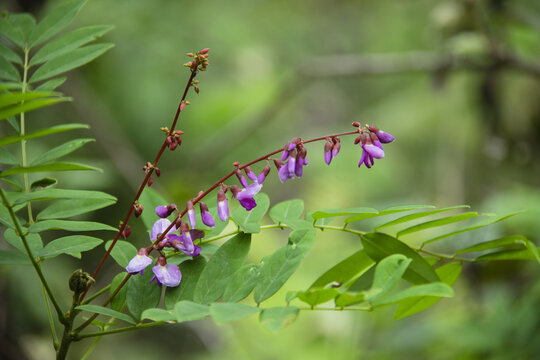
(138, 263)
(159, 227)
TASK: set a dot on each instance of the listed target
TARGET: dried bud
(196, 89)
(358, 139)
(126, 232)
(182, 106)
(356, 124)
(373, 129)
(204, 51)
(138, 209)
(150, 181)
(236, 164)
(190, 54)
(79, 281)
(158, 172)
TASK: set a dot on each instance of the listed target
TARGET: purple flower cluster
(292, 161)
(371, 140)
(168, 275)
(331, 149)
(246, 195)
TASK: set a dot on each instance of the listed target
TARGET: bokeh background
(456, 82)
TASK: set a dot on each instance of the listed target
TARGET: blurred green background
(466, 120)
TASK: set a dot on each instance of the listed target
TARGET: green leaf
(436, 223)
(387, 211)
(278, 267)
(69, 61)
(433, 289)
(11, 31)
(34, 241)
(69, 226)
(60, 151)
(470, 228)
(68, 42)
(27, 107)
(448, 273)
(315, 297)
(14, 98)
(291, 209)
(54, 22)
(8, 71)
(10, 86)
(13, 258)
(276, 318)
(72, 207)
(52, 84)
(242, 283)
(387, 274)
(7, 158)
(122, 252)
(159, 315)
(42, 183)
(531, 253)
(227, 312)
(70, 245)
(49, 131)
(379, 245)
(25, 22)
(50, 194)
(118, 301)
(493, 244)
(107, 312)
(337, 212)
(418, 215)
(349, 269)
(217, 273)
(141, 294)
(150, 199)
(248, 221)
(188, 310)
(56, 166)
(10, 55)
(191, 271)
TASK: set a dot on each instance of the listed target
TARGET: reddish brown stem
(144, 182)
(220, 181)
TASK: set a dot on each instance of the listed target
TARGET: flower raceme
(290, 165)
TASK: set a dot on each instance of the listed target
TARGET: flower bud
(206, 216)
(190, 214)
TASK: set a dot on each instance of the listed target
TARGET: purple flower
(159, 228)
(223, 206)
(191, 214)
(164, 211)
(283, 173)
(206, 216)
(241, 178)
(385, 137)
(263, 174)
(168, 275)
(328, 152)
(184, 242)
(139, 262)
(374, 151)
(250, 174)
(336, 147)
(245, 196)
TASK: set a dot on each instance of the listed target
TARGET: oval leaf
(217, 273)
(227, 312)
(188, 310)
(242, 283)
(74, 244)
(248, 221)
(69, 226)
(191, 271)
(122, 252)
(276, 318)
(72, 207)
(278, 267)
(141, 294)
